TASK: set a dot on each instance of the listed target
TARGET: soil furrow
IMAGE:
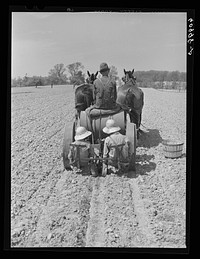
(63, 222)
(142, 216)
(96, 225)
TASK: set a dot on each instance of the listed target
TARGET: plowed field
(52, 207)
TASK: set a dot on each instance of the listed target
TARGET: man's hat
(104, 67)
(82, 133)
(111, 127)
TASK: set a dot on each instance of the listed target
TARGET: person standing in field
(105, 91)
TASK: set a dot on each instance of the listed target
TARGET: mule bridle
(91, 81)
(130, 80)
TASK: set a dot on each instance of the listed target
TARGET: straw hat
(104, 67)
(111, 127)
(82, 133)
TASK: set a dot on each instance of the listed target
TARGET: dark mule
(91, 77)
(131, 98)
(84, 93)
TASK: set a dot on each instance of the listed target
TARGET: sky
(143, 41)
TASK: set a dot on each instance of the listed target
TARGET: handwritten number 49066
(190, 35)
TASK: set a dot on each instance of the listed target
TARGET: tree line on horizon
(73, 74)
(161, 79)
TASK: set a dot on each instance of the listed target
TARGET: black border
(52, 7)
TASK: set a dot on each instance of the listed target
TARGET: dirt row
(52, 207)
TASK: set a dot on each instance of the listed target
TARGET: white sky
(143, 41)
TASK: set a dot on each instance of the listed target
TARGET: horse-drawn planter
(94, 120)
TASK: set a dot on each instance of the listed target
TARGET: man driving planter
(105, 93)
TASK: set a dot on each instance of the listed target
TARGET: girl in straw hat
(115, 138)
(81, 141)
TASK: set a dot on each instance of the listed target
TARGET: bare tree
(113, 73)
(56, 74)
(76, 74)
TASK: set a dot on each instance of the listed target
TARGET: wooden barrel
(172, 149)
